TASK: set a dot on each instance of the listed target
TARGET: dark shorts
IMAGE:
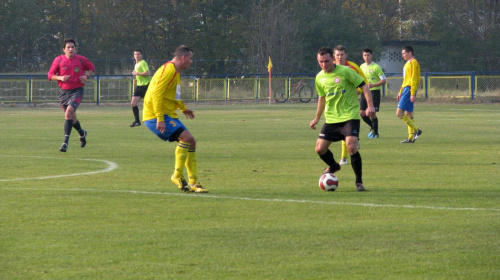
(339, 131)
(375, 98)
(141, 91)
(71, 97)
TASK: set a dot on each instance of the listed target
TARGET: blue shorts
(173, 128)
(405, 102)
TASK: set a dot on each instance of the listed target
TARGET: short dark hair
(69, 40)
(340, 48)
(138, 50)
(408, 49)
(325, 50)
(182, 50)
(368, 50)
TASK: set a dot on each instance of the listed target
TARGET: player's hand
(134, 73)
(370, 111)
(160, 126)
(188, 113)
(83, 79)
(399, 96)
(412, 98)
(313, 123)
(66, 78)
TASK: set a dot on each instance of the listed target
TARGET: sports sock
(78, 127)
(181, 153)
(357, 166)
(192, 167)
(330, 161)
(135, 110)
(68, 124)
(368, 121)
(344, 150)
(375, 125)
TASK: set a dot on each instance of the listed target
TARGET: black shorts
(141, 91)
(375, 99)
(339, 131)
(71, 97)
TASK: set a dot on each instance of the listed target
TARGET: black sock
(330, 161)
(357, 166)
(135, 110)
(78, 128)
(68, 124)
(368, 121)
(375, 125)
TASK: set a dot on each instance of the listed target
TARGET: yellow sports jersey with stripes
(356, 68)
(411, 76)
(164, 94)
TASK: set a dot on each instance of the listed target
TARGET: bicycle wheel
(280, 94)
(305, 93)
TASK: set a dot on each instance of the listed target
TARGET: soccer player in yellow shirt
(407, 94)
(162, 99)
(340, 56)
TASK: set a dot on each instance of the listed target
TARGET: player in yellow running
(376, 78)
(407, 94)
(162, 99)
(340, 56)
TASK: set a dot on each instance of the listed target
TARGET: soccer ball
(328, 182)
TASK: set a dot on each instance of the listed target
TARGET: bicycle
(302, 89)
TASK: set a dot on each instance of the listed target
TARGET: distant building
(391, 60)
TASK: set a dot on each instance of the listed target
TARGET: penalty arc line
(110, 166)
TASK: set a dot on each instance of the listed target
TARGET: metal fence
(284, 88)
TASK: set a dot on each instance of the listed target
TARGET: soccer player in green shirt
(141, 73)
(338, 100)
(376, 78)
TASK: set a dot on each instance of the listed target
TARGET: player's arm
(319, 111)
(415, 77)
(370, 110)
(382, 78)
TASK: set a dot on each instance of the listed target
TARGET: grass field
(109, 211)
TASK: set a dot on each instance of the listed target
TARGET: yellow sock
(410, 133)
(181, 154)
(344, 150)
(192, 167)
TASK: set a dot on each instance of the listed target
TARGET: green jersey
(339, 90)
(141, 67)
(373, 74)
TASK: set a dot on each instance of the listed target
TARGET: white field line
(110, 166)
(269, 199)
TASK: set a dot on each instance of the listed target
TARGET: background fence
(289, 88)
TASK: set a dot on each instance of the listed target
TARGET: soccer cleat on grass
(329, 169)
(370, 134)
(180, 183)
(83, 140)
(408, 141)
(373, 136)
(360, 187)
(134, 124)
(197, 188)
(343, 161)
(64, 147)
(416, 134)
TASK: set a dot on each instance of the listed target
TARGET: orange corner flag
(269, 65)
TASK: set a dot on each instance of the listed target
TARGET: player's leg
(329, 133)
(363, 105)
(376, 104)
(343, 155)
(135, 110)
(404, 112)
(351, 131)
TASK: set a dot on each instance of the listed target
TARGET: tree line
(238, 36)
